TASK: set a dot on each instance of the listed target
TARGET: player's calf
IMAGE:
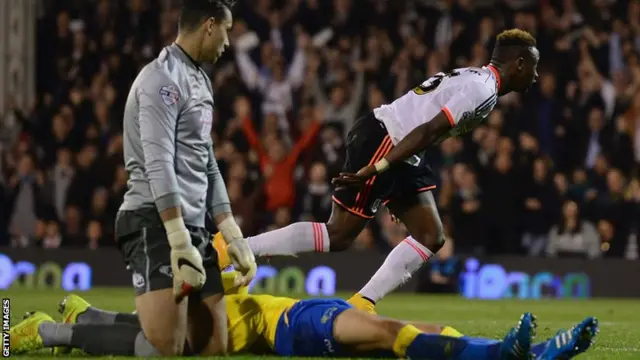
(207, 326)
(432, 238)
(340, 239)
(343, 228)
(420, 215)
(365, 332)
(38, 330)
(76, 310)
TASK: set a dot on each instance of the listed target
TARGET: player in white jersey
(465, 96)
(385, 164)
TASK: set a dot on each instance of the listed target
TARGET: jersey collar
(185, 54)
(496, 73)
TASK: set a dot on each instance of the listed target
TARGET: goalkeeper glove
(186, 261)
(240, 254)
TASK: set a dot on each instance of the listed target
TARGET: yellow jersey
(252, 321)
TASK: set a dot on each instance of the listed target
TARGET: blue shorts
(307, 329)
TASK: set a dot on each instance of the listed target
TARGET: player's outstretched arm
(157, 118)
(417, 140)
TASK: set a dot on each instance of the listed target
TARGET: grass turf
(619, 336)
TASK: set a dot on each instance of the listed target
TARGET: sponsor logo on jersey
(169, 94)
(206, 120)
(328, 315)
(466, 127)
(138, 280)
(329, 347)
(166, 270)
(414, 160)
(376, 205)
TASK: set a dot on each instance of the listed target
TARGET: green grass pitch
(619, 336)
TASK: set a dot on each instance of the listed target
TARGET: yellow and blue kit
(287, 327)
(306, 329)
(265, 324)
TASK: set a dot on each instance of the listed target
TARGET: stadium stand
(551, 173)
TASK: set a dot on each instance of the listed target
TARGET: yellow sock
(221, 248)
(451, 332)
(405, 337)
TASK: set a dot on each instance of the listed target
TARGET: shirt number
(431, 84)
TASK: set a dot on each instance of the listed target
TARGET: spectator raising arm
(253, 138)
(253, 79)
(345, 113)
(305, 142)
(295, 74)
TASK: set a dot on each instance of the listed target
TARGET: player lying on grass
(264, 324)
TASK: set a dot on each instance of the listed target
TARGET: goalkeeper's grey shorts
(143, 243)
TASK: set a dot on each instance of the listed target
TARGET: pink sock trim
(417, 247)
(317, 237)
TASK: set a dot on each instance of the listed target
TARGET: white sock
(293, 239)
(402, 262)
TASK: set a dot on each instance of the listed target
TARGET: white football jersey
(465, 95)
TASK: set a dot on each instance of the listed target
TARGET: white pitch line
(498, 322)
(618, 349)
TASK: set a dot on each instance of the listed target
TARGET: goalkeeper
(174, 186)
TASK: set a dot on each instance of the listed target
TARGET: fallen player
(264, 324)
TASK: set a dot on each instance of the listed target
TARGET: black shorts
(368, 142)
(143, 242)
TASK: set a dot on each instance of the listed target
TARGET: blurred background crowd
(551, 173)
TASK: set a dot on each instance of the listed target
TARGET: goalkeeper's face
(216, 38)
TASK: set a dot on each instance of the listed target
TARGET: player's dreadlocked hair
(515, 37)
(194, 12)
(510, 44)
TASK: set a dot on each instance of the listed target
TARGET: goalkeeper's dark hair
(512, 43)
(194, 12)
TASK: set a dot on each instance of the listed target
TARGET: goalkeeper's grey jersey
(167, 140)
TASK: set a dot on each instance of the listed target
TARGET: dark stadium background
(551, 174)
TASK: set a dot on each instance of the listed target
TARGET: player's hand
(186, 264)
(243, 261)
(239, 251)
(357, 179)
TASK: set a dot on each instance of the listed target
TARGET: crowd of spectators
(553, 172)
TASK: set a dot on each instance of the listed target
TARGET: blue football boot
(569, 343)
(517, 344)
